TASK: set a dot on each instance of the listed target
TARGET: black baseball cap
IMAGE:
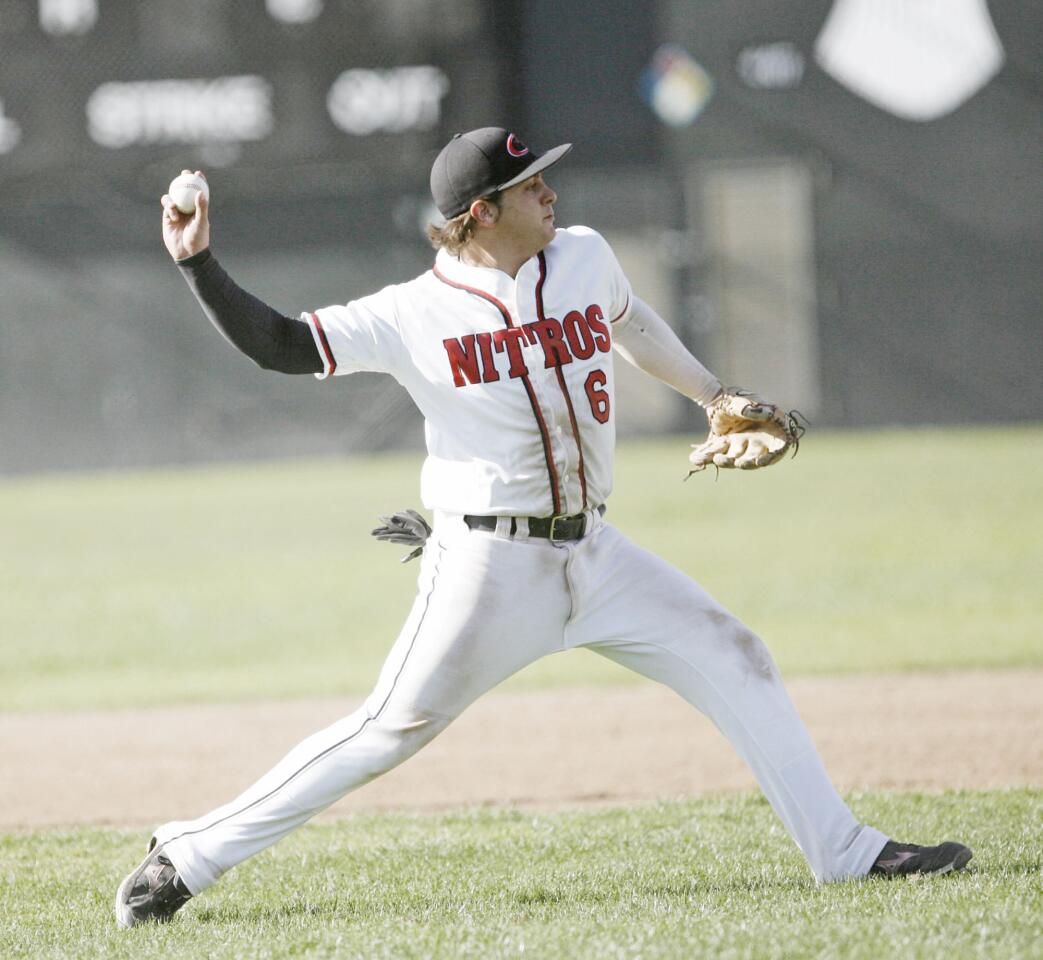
(482, 162)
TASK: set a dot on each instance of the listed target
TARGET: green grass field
(885, 551)
(714, 878)
(869, 552)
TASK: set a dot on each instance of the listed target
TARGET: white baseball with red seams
(184, 189)
(514, 379)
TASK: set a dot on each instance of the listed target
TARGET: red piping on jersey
(552, 472)
(561, 379)
(330, 362)
(624, 310)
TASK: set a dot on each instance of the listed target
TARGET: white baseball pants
(489, 605)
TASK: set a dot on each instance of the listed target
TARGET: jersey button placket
(565, 445)
(547, 393)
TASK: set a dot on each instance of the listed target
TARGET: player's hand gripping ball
(746, 433)
(185, 188)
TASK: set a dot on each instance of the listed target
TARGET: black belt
(551, 528)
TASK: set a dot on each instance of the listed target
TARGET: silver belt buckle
(554, 527)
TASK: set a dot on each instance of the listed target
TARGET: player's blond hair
(455, 234)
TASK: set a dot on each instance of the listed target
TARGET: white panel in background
(10, 132)
(60, 17)
(917, 59)
(294, 11)
(758, 229)
(219, 110)
(771, 66)
(362, 101)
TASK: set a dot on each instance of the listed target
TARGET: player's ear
(485, 211)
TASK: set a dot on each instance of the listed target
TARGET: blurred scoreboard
(345, 92)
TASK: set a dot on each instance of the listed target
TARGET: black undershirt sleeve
(272, 341)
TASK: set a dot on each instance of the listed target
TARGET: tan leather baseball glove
(745, 432)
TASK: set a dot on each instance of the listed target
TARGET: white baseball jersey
(513, 376)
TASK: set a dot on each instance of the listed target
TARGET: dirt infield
(547, 749)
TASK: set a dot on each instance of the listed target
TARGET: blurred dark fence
(874, 268)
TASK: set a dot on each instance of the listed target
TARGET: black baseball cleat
(153, 891)
(902, 859)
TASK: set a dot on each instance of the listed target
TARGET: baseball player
(506, 346)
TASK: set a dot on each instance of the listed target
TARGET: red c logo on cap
(515, 147)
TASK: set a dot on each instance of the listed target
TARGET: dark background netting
(927, 236)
